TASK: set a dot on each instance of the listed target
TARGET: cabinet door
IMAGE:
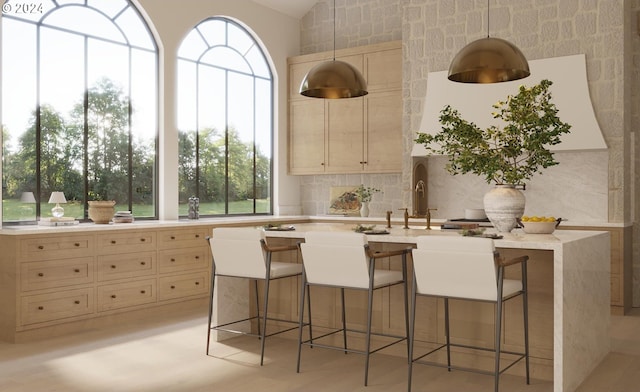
(306, 136)
(384, 132)
(384, 69)
(345, 136)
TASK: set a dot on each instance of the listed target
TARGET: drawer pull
(143, 291)
(76, 270)
(41, 247)
(173, 260)
(113, 241)
(143, 263)
(113, 295)
(40, 274)
(197, 235)
(113, 266)
(197, 283)
(197, 257)
(143, 239)
(77, 244)
(76, 302)
(173, 237)
(40, 307)
(173, 287)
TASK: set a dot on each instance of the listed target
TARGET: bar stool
(345, 261)
(466, 268)
(244, 253)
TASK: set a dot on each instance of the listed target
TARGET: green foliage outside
(109, 157)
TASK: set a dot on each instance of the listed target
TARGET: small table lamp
(57, 197)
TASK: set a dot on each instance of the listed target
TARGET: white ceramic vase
(503, 205)
(364, 208)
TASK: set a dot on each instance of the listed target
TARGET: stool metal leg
(498, 328)
(255, 281)
(213, 283)
(344, 320)
(412, 329)
(525, 310)
(368, 338)
(303, 289)
(446, 332)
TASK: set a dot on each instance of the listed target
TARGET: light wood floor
(162, 355)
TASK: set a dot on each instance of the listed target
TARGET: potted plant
(101, 211)
(364, 194)
(506, 156)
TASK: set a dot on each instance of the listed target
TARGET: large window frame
(211, 55)
(111, 26)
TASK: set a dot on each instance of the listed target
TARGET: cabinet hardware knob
(40, 274)
(197, 283)
(77, 244)
(76, 302)
(197, 257)
(173, 237)
(143, 239)
(40, 307)
(76, 270)
(172, 259)
(40, 247)
(143, 263)
(113, 266)
(322, 164)
(113, 241)
(197, 235)
(361, 162)
(113, 295)
(142, 291)
(173, 287)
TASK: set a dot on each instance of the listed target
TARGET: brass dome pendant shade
(489, 60)
(333, 79)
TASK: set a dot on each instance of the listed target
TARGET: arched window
(79, 107)
(225, 121)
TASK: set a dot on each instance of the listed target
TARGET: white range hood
(570, 92)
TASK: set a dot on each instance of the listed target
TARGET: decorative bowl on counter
(543, 227)
(474, 214)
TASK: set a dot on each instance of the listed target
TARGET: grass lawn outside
(15, 211)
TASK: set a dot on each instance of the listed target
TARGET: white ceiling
(295, 8)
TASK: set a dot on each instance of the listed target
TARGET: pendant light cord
(334, 30)
(488, 16)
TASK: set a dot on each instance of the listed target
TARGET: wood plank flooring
(167, 354)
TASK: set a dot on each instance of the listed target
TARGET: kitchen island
(569, 297)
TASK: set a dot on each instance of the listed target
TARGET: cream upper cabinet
(355, 135)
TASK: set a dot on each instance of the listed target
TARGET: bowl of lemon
(539, 224)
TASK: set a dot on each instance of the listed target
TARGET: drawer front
(185, 238)
(171, 287)
(126, 266)
(56, 306)
(38, 275)
(183, 259)
(123, 295)
(115, 243)
(56, 247)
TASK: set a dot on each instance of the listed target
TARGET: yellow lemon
(535, 219)
(550, 219)
(524, 218)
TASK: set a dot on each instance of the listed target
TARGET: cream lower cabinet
(59, 280)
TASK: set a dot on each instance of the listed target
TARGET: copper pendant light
(488, 60)
(333, 79)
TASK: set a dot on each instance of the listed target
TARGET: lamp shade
(488, 60)
(333, 79)
(27, 197)
(57, 197)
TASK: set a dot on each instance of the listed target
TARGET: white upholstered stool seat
(344, 260)
(241, 252)
(455, 267)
